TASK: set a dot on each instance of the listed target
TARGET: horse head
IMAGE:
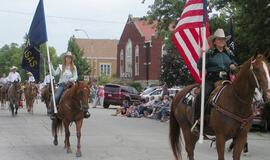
(82, 92)
(260, 74)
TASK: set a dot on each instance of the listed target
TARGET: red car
(115, 94)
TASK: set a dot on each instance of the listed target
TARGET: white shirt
(31, 79)
(67, 75)
(47, 79)
(14, 76)
(3, 80)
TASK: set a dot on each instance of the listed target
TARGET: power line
(64, 18)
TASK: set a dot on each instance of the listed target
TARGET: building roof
(98, 47)
(145, 28)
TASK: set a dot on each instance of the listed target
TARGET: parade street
(104, 137)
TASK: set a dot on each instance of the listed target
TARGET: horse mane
(71, 92)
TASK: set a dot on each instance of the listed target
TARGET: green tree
(11, 55)
(81, 63)
(44, 59)
(176, 73)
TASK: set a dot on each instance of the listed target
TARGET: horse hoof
(55, 142)
(69, 150)
(78, 154)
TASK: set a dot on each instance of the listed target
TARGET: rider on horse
(3, 80)
(31, 78)
(13, 75)
(219, 61)
(47, 79)
(68, 73)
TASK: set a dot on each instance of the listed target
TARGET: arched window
(128, 65)
(137, 61)
(122, 62)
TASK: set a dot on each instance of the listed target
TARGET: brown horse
(70, 109)
(30, 92)
(3, 95)
(230, 114)
(14, 96)
(46, 95)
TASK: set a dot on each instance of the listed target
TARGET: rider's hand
(233, 67)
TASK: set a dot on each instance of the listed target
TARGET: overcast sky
(99, 18)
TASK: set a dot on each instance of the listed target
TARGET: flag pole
(203, 84)
(51, 79)
(203, 71)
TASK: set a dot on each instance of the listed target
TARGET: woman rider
(219, 61)
(68, 74)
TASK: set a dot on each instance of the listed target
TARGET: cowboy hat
(219, 33)
(13, 67)
(29, 73)
(69, 54)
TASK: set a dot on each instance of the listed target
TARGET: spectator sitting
(133, 111)
(123, 109)
(148, 107)
(165, 103)
(155, 107)
(164, 112)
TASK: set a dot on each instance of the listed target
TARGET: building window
(122, 62)
(128, 54)
(137, 62)
(105, 69)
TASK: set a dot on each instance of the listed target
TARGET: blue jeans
(58, 93)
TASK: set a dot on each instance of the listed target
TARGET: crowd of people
(148, 108)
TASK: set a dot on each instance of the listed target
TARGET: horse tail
(57, 126)
(175, 133)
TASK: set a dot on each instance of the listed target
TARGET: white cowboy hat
(29, 73)
(13, 67)
(219, 33)
(69, 54)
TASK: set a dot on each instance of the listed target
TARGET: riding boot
(86, 114)
(52, 115)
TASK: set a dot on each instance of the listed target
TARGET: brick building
(139, 52)
(101, 54)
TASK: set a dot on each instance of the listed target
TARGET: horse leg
(239, 144)
(11, 108)
(67, 135)
(78, 129)
(190, 142)
(220, 143)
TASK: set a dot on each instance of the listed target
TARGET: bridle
(256, 80)
(81, 103)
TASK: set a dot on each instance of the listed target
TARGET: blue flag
(37, 32)
(37, 35)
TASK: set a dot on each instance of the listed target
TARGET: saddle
(191, 98)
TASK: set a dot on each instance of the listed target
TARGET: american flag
(188, 35)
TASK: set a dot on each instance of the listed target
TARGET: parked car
(115, 94)
(149, 90)
(157, 94)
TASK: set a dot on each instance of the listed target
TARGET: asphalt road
(104, 137)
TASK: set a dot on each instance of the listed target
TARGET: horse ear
(267, 54)
(256, 54)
